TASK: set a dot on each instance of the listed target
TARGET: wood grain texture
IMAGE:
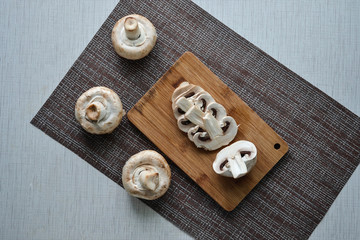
(318, 40)
(153, 115)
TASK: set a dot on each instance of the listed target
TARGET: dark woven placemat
(290, 201)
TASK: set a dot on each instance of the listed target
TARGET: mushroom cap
(99, 110)
(146, 175)
(137, 48)
(236, 160)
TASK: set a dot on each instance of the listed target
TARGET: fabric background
(290, 201)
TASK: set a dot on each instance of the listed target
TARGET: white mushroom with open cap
(133, 37)
(146, 175)
(236, 160)
(203, 119)
(99, 110)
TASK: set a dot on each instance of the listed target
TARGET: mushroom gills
(180, 111)
(217, 110)
(225, 126)
(190, 94)
(204, 137)
(184, 124)
(223, 164)
(203, 100)
(194, 130)
(214, 112)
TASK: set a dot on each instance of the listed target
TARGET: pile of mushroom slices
(208, 126)
(204, 120)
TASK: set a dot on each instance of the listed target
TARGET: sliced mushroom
(203, 119)
(182, 106)
(236, 160)
(146, 175)
(229, 131)
(185, 124)
(203, 101)
(186, 90)
(133, 37)
(217, 110)
(99, 110)
(192, 131)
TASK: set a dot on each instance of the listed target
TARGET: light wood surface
(47, 192)
(153, 115)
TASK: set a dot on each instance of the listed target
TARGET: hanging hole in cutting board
(277, 146)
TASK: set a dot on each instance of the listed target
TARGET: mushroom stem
(237, 165)
(149, 181)
(94, 110)
(132, 29)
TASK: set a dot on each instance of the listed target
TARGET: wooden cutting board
(153, 115)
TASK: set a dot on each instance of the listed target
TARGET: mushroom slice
(185, 124)
(217, 110)
(99, 110)
(203, 101)
(186, 90)
(133, 37)
(192, 131)
(236, 160)
(229, 131)
(146, 175)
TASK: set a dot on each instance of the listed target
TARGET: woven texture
(323, 136)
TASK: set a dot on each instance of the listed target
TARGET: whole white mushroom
(133, 37)
(99, 110)
(146, 175)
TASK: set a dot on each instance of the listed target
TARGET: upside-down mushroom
(133, 37)
(236, 160)
(146, 175)
(99, 110)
